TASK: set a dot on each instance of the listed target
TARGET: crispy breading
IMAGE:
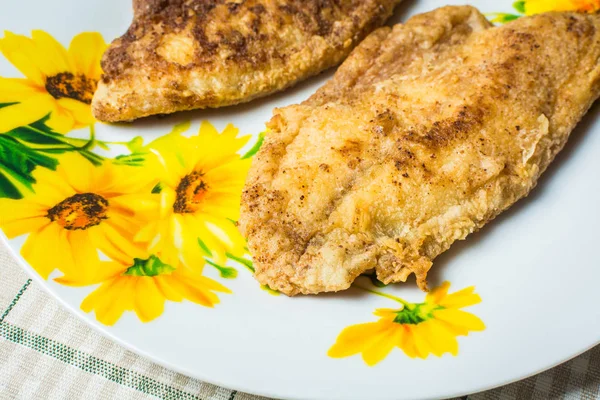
(428, 131)
(187, 54)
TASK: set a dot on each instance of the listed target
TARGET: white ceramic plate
(535, 268)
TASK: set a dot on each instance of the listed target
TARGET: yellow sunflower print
(417, 329)
(200, 188)
(144, 285)
(76, 211)
(58, 82)
(531, 7)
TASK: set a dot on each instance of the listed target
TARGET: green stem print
(225, 272)
(250, 267)
(386, 295)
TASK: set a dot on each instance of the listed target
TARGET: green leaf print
(519, 6)
(225, 272)
(25, 148)
(152, 266)
(256, 147)
(17, 162)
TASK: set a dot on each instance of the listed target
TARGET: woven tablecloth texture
(47, 353)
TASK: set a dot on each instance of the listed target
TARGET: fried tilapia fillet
(427, 131)
(186, 54)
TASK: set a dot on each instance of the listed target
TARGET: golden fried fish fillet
(186, 54)
(428, 131)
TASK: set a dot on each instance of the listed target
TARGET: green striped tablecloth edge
(87, 362)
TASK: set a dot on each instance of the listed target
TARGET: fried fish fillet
(428, 131)
(186, 54)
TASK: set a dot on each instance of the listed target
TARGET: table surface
(47, 353)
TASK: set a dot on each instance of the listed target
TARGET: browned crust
(426, 133)
(187, 54)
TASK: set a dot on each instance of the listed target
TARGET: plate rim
(223, 380)
(233, 386)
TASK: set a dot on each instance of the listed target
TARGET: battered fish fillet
(428, 131)
(186, 54)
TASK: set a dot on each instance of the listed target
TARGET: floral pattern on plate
(143, 225)
(418, 329)
(531, 7)
(59, 83)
